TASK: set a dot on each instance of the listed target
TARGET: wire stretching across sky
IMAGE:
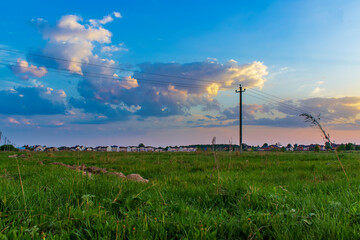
(104, 66)
(293, 108)
(260, 94)
(66, 72)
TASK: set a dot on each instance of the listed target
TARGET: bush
(317, 148)
(8, 147)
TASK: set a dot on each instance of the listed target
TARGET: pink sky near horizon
(252, 135)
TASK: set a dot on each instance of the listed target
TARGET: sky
(165, 72)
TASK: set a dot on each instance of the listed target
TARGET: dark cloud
(31, 101)
(337, 112)
(248, 112)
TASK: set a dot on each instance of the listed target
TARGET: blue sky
(304, 52)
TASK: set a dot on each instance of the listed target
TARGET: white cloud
(317, 91)
(105, 19)
(24, 70)
(117, 14)
(71, 39)
(114, 48)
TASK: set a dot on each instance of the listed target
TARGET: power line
(136, 71)
(110, 77)
(104, 66)
(292, 107)
(296, 109)
(302, 110)
(103, 76)
(264, 96)
(318, 110)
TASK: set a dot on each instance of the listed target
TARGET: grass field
(189, 196)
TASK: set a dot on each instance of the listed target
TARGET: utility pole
(240, 91)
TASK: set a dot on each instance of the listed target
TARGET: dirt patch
(96, 170)
(17, 156)
(136, 177)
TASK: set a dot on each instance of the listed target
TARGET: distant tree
(283, 149)
(317, 148)
(8, 147)
(349, 146)
(265, 145)
(328, 146)
(289, 146)
(295, 146)
(141, 145)
(357, 147)
(341, 147)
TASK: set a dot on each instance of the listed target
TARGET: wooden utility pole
(240, 91)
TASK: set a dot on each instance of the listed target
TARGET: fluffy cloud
(72, 40)
(114, 94)
(159, 94)
(24, 70)
(333, 110)
(32, 101)
(210, 76)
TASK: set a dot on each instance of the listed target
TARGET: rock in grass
(96, 170)
(137, 178)
(12, 156)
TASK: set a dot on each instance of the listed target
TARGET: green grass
(259, 196)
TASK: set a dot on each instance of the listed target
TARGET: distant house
(52, 149)
(134, 149)
(63, 148)
(115, 148)
(149, 149)
(39, 148)
(275, 147)
(173, 149)
(103, 149)
(78, 148)
(122, 149)
(290, 148)
(302, 148)
(265, 149)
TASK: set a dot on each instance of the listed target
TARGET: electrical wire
(265, 96)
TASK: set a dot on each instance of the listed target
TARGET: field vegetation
(202, 195)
